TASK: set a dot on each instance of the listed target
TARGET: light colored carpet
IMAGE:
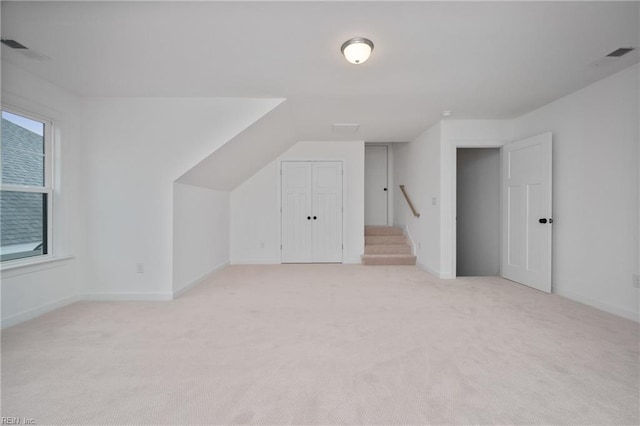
(326, 344)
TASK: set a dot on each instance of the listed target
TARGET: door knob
(384, 189)
(315, 217)
(543, 220)
(308, 217)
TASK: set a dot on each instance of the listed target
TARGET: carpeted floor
(326, 344)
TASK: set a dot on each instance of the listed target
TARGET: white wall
(478, 212)
(417, 166)
(595, 190)
(255, 208)
(255, 218)
(200, 234)
(30, 291)
(136, 148)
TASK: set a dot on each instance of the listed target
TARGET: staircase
(386, 245)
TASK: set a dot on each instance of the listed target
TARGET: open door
(526, 212)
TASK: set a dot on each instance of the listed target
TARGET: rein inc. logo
(5, 420)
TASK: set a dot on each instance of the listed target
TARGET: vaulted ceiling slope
(479, 59)
(245, 154)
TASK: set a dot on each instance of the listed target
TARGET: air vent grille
(12, 44)
(343, 128)
(620, 52)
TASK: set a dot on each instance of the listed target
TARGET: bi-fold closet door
(311, 211)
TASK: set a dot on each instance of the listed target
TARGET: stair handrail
(406, 196)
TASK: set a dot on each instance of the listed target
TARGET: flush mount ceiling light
(357, 50)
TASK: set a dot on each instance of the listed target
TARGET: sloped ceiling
(246, 153)
(479, 59)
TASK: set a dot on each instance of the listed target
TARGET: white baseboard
(40, 310)
(353, 261)
(126, 297)
(427, 269)
(179, 292)
(615, 310)
(255, 262)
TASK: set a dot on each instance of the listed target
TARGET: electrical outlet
(434, 201)
(419, 246)
(139, 268)
(262, 244)
(636, 280)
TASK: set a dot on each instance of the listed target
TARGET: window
(26, 188)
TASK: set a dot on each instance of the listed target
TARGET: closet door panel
(297, 222)
(327, 211)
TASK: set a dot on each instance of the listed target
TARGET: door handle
(308, 217)
(384, 189)
(315, 217)
(543, 220)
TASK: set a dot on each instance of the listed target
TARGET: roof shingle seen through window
(21, 214)
(22, 155)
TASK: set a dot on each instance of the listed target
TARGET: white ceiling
(479, 59)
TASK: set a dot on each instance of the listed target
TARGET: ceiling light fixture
(357, 50)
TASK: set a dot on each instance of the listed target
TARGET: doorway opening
(478, 212)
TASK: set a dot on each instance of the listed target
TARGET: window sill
(27, 266)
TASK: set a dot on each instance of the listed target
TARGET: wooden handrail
(413, 209)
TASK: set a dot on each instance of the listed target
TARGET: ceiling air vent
(21, 48)
(12, 44)
(620, 52)
(613, 57)
(343, 128)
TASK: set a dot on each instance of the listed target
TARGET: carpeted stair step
(387, 249)
(388, 259)
(382, 230)
(385, 239)
(386, 245)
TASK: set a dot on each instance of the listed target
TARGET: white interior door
(327, 211)
(375, 185)
(526, 212)
(297, 228)
(311, 211)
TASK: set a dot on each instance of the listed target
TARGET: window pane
(22, 150)
(23, 222)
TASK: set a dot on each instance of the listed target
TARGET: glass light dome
(357, 50)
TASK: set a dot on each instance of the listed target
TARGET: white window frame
(46, 189)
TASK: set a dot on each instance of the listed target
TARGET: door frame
(344, 198)
(451, 226)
